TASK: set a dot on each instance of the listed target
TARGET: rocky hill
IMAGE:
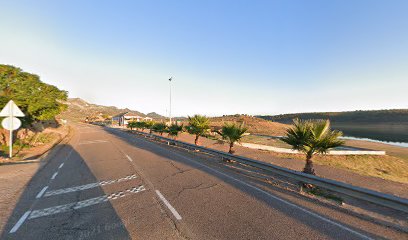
(79, 109)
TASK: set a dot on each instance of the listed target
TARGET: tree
(232, 133)
(198, 125)
(312, 137)
(132, 124)
(159, 128)
(143, 125)
(38, 100)
(174, 130)
(139, 125)
(149, 125)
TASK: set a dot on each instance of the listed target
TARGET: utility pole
(171, 78)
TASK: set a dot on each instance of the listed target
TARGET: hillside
(79, 109)
(255, 125)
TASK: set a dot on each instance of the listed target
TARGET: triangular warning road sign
(11, 109)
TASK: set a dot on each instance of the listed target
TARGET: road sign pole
(11, 132)
(10, 111)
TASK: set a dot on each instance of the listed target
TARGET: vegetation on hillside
(38, 100)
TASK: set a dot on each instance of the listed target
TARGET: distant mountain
(155, 115)
(79, 109)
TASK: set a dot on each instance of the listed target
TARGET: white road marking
(85, 203)
(88, 186)
(130, 159)
(41, 192)
(270, 195)
(168, 205)
(26, 214)
(92, 142)
(20, 222)
(54, 175)
(280, 199)
(60, 166)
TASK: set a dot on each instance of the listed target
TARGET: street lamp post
(171, 78)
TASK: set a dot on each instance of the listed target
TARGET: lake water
(392, 134)
(399, 144)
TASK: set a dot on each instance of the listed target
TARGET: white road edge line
(54, 175)
(41, 193)
(130, 159)
(20, 222)
(168, 205)
(60, 166)
(280, 199)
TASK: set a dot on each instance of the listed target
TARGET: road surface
(107, 184)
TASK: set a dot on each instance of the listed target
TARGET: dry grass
(385, 167)
(265, 141)
(254, 125)
(393, 166)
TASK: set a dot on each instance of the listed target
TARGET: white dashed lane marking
(130, 159)
(60, 166)
(168, 205)
(54, 175)
(20, 222)
(41, 192)
(88, 186)
(92, 142)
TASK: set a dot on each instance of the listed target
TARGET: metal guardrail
(382, 199)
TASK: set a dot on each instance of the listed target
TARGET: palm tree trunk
(231, 146)
(196, 139)
(309, 165)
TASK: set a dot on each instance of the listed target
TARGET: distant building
(124, 118)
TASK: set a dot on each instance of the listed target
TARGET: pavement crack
(179, 171)
(210, 186)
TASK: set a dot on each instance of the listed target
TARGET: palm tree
(232, 133)
(312, 137)
(174, 130)
(159, 128)
(198, 125)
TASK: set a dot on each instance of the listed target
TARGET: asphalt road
(107, 184)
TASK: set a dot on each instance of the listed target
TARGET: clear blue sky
(255, 57)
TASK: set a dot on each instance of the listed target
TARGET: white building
(124, 118)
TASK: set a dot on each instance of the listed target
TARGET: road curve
(108, 184)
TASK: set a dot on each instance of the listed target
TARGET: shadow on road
(97, 221)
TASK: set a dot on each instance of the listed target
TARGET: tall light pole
(171, 78)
